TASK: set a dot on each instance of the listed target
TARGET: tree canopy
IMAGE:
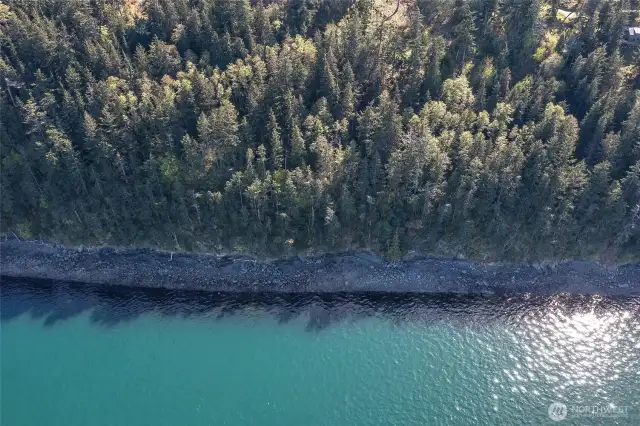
(494, 129)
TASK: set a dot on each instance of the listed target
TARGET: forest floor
(347, 271)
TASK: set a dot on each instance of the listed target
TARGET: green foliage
(169, 167)
(489, 126)
(394, 252)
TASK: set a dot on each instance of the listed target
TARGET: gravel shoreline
(339, 272)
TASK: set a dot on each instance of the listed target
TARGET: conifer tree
(279, 126)
(275, 141)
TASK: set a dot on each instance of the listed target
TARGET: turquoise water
(91, 357)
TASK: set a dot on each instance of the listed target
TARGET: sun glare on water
(573, 350)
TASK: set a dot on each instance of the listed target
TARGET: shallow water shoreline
(339, 272)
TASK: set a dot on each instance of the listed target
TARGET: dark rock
(326, 273)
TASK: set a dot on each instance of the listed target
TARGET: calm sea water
(80, 355)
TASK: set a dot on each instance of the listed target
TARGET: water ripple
(435, 358)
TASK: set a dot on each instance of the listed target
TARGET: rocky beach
(339, 272)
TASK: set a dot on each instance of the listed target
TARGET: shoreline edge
(335, 272)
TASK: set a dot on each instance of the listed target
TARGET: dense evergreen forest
(502, 129)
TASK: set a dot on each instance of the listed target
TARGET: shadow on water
(54, 302)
